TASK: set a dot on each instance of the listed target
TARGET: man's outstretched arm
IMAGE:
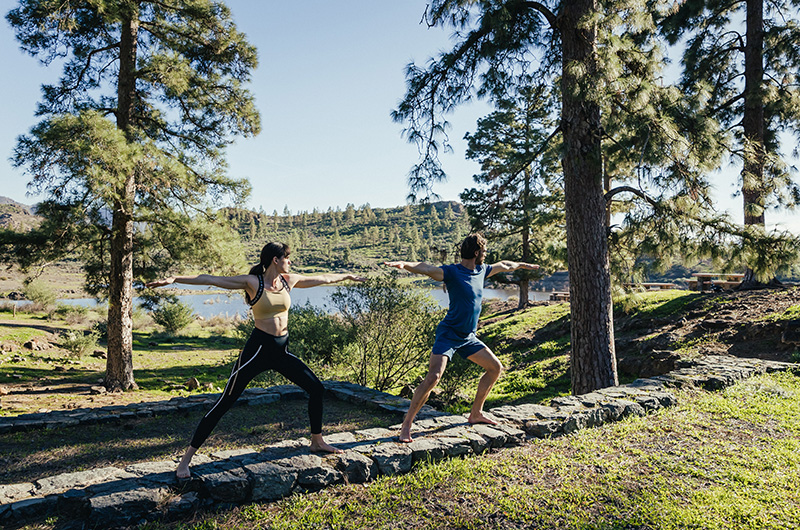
(418, 267)
(509, 266)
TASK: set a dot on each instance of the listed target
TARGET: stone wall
(113, 496)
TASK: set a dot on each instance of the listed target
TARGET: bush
(79, 343)
(316, 335)
(72, 314)
(40, 294)
(173, 316)
(391, 328)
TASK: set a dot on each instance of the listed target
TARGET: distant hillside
(17, 216)
(356, 237)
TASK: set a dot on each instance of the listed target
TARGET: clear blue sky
(329, 75)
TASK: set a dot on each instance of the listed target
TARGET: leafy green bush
(40, 294)
(392, 329)
(79, 343)
(173, 316)
(317, 335)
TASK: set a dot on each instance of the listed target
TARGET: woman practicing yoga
(267, 289)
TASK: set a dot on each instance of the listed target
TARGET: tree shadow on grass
(31, 455)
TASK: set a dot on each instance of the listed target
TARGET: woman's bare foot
(479, 418)
(405, 435)
(318, 445)
(183, 473)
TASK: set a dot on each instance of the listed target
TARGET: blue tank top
(465, 290)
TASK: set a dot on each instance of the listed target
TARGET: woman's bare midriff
(276, 326)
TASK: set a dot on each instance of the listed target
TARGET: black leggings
(264, 352)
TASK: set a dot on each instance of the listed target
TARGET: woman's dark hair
(270, 251)
(472, 244)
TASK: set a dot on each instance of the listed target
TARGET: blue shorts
(448, 342)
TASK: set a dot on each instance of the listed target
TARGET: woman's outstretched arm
(297, 280)
(242, 281)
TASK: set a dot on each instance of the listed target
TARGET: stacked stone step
(113, 496)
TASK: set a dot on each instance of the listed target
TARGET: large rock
(270, 481)
(393, 458)
(356, 468)
(125, 507)
(80, 479)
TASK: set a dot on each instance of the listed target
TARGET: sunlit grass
(717, 461)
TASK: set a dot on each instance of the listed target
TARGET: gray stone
(115, 509)
(181, 506)
(340, 438)
(514, 436)
(543, 428)
(16, 492)
(231, 453)
(74, 504)
(392, 458)
(263, 399)
(575, 423)
(665, 398)
(478, 442)
(35, 508)
(312, 471)
(631, 408)
(378, 433)
(229, 484)
(427, 450)
(648, 402)
(495, 437)
(162, 472)
(615, 408)
(356, 467)
(270, 481)
(456, 446)
(80, 479)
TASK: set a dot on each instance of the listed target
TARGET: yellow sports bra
(270, 304)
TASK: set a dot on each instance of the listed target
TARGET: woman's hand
(160, 283)
(355, 278)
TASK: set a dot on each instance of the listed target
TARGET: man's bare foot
(477, 419)
(321, 446)
(183, 473)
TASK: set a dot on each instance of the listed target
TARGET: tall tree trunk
(524, 284)
(119, 367)
(593, 360)
(753, 123)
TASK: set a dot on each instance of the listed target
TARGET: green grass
(654, 304)
(791, 313)
(717, 461)
(526, 320)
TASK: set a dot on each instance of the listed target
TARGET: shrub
(40, 294)
(173, 316)
(315, 334)
(79, 343)
(391, 328)
(72, 314)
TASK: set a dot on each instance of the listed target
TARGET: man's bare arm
(418, 267)
(509, 266)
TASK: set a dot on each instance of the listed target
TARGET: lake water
(214, 303)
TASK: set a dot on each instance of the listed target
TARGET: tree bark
(753, 125)
(119, 366)
(593, 359)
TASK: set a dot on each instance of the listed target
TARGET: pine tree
(741, 63)
(603, 60)
(133, 135)
(519, 203)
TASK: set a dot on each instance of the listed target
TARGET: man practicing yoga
(456, 333)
